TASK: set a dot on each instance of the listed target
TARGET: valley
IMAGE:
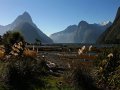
(60, 46)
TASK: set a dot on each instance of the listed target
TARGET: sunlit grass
(30, 53)
(2, 53)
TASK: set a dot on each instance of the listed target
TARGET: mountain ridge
(81, 33)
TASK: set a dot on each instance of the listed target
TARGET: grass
(2, 54)
(53, 83)
(30, 53)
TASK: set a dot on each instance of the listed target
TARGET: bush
(22, 73)
(10, 38)
(82, 79)
(108, 70)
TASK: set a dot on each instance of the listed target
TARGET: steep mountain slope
(81, 33)
(27, 28)
(31, 33)
(112, 34)
(66, 36)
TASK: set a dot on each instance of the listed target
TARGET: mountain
(81, 33)
(66, 36)
(112, 34)
(24, 24)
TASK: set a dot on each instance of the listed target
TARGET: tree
(38, 42)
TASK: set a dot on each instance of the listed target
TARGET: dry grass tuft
(30, 53)
(2, 53)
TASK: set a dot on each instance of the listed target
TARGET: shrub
(10, 38)
(22, 73)
(82, 79)
(108, 70)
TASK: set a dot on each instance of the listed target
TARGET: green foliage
(9, 39)
(38, 42)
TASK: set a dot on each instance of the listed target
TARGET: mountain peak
(25, 17)
(26, 14)
(106, 23)
(82, 23)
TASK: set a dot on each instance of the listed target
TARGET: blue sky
(55, 15)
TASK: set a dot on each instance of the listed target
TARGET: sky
(55, 15)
